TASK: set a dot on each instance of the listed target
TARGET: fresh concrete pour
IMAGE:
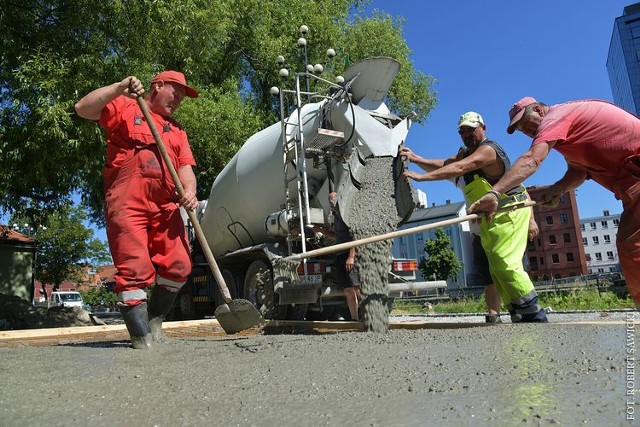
(508, 374)
(374, 213)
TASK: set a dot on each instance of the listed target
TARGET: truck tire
(258, 288)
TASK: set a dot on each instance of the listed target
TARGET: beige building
(17, 260)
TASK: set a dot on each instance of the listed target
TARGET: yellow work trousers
(504, 239)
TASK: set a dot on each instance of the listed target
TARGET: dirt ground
(560, 373)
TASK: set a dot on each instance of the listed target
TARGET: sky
(486, 55)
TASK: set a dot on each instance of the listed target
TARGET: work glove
(551, 196)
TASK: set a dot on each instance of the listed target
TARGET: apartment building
(558, 251)
(412, 246)
(599, 241)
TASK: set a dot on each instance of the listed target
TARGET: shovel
(234, 315)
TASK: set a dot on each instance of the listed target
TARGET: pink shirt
(592, 134)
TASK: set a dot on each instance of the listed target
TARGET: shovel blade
(238, 315)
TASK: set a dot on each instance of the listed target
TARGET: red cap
(178, 78)
(517, 111)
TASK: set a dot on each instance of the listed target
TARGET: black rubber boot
(160, 304)
(527, 312)
(137, 321)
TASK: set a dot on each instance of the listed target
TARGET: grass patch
(587, 299)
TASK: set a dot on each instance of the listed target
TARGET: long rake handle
(392, 235)
(192, 215)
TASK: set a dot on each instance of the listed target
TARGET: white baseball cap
(471, 119)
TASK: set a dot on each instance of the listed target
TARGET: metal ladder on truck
(295, 151)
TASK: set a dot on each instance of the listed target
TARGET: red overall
(146, 233)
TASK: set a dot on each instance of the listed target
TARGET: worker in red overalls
(145, 230)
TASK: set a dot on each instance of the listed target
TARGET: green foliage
(64, 245)
(55, 51)
(96, 297)
(441, 262)
(586, 299)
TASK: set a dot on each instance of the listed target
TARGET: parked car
(66, 299)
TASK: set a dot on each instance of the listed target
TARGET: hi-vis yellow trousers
(504, 239)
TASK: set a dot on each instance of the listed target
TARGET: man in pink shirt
(599, 141)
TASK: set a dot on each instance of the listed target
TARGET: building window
(607, 239)
(593, 225)
(552, 239)
(609, 255)
(533, 262)
(612, 269)
(570, 256)
(585, 241)
(604, 224)
(600, 270)
(616, 222)
(557, 276)
(596, 240)
(539, 242)
(563, 218)
(606, 212)
(555, 259)
(541, 261)
(566, 237)
(598, 256)
(587, 257)
(549, 220)
(582, 226)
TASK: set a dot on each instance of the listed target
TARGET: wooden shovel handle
(192, 215)
(392, 235)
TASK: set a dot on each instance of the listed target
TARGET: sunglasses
(466, 130)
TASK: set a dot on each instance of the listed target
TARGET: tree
(96, 297)
(64, 246)
(55, 51)
(441, 262)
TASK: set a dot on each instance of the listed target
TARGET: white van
(66, 299)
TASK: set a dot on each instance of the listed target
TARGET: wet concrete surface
(572, 371)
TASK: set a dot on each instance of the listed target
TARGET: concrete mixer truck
(271, 199)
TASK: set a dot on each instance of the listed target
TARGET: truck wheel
(258, 288)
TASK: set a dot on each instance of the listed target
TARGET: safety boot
(492, 318)
(160, 304)
(527, 310)
(137, 321)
